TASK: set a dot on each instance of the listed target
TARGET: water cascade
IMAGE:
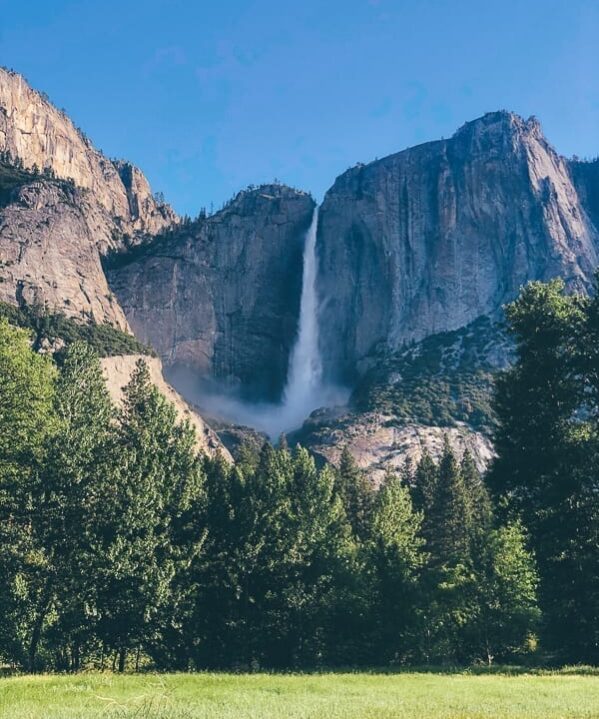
(304, 380)
(304, 390)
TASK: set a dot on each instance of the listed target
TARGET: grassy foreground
(567, 694)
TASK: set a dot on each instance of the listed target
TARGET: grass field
(568, 694)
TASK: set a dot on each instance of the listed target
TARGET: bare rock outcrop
(49, 232)
(38, 135)
(379, 443)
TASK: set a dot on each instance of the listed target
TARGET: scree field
(568, 694)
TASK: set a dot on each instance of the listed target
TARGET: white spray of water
(304, 391)
(304, 381)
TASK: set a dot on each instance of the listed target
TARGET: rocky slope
(433, 237)
(39, 135)
(586, 180)
(380, 443)
(62, 206)
(49, 235)
(219, 298)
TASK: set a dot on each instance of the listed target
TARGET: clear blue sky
(209, 96)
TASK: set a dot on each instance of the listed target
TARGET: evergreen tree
(356, 492)
(449, 516)
(149, 534)
(395, 558)
(480, 512)
(77, 481)
(545, 471)
(425, 481)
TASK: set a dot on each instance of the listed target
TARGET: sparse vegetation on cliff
(52, 328)
(443, 380)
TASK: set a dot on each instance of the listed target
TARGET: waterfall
(304, 378)
(304, 391)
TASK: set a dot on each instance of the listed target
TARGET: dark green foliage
(150, 534)
(480, 581)
(395, 560)
(449, 537)
(548, 449)
(357, 494)
(104, 339)
(119, 544)
(27, 422)
(276, 586)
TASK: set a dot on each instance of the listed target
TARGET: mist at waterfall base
(305, 390)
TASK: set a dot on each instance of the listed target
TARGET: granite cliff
(218, 298)
(38, 135)
(63, 207)
(429, 239)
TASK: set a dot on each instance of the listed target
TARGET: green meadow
(565, 694)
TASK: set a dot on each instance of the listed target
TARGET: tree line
(123, 547)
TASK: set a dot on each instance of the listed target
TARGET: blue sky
(210, 96)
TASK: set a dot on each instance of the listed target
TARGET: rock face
(431, 238)
(33, 131)
(49, 232)
(219, 297)
(379, 443)
(66, 207)
(586, 180)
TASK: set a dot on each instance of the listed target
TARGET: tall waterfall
(304, 379)
(305, 390)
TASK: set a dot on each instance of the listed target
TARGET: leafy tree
(504, 601)
(26, 421)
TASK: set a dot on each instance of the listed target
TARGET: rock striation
(49, 258)
(219, 297)
(429, 239)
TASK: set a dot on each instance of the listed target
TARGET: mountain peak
(38, 135)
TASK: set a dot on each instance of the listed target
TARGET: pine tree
(545, 471)
(77, 481)
(356, 492)
(449, 540)
(158, 478)
(396, 557)
(480, 512)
